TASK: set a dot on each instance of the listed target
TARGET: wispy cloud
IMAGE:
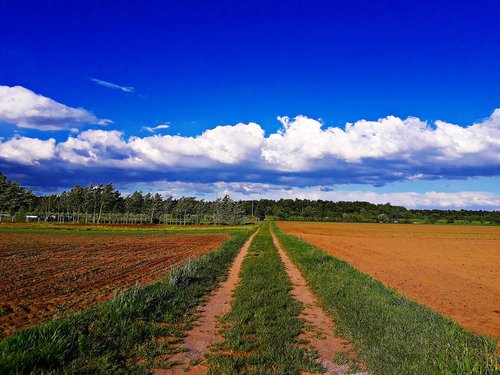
(113, 85)
(154, 129)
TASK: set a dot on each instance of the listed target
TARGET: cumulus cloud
(303, 153)
(303, 144)
(223, 145)
(113, 86)
(26, 109)
(229, 144)
(95, 146)
(27, 151)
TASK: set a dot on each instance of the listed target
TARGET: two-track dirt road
(205, 332)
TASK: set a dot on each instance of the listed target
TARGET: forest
(99, 204)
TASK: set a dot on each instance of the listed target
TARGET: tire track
(205, 331)
(319, 325)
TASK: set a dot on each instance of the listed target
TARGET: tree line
(343, 211)
(104, 204)
(99, 204)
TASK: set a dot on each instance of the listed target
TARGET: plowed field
(452, 269)
(43, 275)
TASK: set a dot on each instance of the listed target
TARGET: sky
(387, 101)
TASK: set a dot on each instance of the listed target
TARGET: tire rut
(319, 325)
(205, 330)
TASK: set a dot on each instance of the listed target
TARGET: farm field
(452, 269)
(136, 330)
(263, 302)
(47, 273)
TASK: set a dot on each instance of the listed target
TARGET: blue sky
(92, 81)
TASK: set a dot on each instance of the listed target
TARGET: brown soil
(319, 326)
(452, 269)
(44, 275)
(206, 329)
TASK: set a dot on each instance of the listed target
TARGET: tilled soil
(452, 269)
(44, 275)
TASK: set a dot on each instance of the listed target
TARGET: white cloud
(98, 147)
(155, 128)
(25, 109)
(232, 144)
(303, 153)
(113, 85)
(303, 144)
(27, 151)
(223, 144)
(248, 191)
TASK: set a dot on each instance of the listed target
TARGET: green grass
(260, 331)
(392, 334)
(107, 230)
(118, 336)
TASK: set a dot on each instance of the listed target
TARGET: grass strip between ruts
(118, 336)
(261, 329)
(392, 334)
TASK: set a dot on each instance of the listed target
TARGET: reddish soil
(44, 275)
(206, 329)
(452, 269)
(319, 326)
